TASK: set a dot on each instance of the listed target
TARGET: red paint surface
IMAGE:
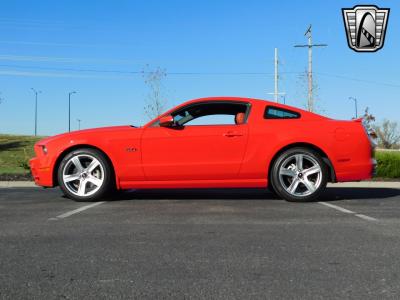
(212, 156)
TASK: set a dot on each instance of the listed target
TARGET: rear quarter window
(280, 113)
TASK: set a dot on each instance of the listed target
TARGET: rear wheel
(85, 175)
(299, 175)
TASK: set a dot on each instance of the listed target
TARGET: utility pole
(36, 105)
(79, 124)
(69, 110)
(276, 76)
(276, 92)
(355, 104)
(310, 45)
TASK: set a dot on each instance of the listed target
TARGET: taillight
(372, 136)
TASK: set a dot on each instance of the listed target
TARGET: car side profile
(219, 142)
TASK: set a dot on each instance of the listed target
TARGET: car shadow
(331, 194)
(195, 194)
(366, 193)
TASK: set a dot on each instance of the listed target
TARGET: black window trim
(248, 109)
(297, 114)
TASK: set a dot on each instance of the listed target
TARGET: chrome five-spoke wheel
(299, 174)
(85, 175)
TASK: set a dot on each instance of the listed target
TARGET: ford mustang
(220, 142)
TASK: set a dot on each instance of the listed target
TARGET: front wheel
(299, 175)
(85, 175)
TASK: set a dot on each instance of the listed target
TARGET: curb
(368, 184)
(17, 184)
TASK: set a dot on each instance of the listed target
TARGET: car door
(193, 152)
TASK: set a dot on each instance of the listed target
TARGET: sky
(208, 48)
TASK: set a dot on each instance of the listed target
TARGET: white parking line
(347, 211)
(368, 218)
(75, 211)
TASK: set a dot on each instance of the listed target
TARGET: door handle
(232, 134)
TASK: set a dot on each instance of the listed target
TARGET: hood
(85, 132)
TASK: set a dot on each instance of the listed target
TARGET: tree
(388, 134)
(155, 100)
(302, 82)
(368, 119)
(368, 122)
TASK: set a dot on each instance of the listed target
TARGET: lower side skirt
(176, 184)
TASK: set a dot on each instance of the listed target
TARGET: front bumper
(41, 174)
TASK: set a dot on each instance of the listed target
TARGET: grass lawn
(15, 152)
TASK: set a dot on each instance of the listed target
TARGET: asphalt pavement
(200, 244)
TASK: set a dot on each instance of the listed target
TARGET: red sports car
(221, 142)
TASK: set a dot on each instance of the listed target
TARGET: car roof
(304, 113)
(251, 100)
(222, 98)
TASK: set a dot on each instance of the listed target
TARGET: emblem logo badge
(365, 27)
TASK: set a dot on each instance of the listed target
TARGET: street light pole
(36, 105)
(355, 104)
(69, 110)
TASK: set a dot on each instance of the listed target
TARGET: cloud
(57, 75)
(7, 57)
(28, 43)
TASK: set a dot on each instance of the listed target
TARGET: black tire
(272, 191)
(281, 184)
(104, 168)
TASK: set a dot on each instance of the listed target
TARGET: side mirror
(166, 121)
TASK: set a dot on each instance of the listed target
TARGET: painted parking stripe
(347, 211)
(75, 211)
(337, 208)
(368, 218)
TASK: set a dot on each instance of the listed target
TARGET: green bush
(388, 164)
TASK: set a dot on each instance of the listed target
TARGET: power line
(136, 72)
(358, 79)
(70, 69)
(82, 70)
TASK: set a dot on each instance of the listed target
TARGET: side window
(213, 120)
(279, 113)
(212, 113)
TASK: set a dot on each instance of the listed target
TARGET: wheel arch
(73, 148)
(324, 156)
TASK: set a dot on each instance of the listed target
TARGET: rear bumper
(357, 172)
(41, 174)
